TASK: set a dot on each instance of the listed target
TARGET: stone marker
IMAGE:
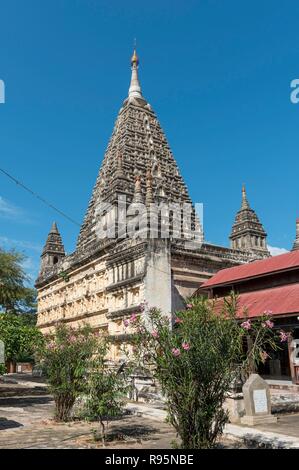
(234, 404)
(257, 402)
(2, 355)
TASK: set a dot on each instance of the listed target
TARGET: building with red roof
(270, 285)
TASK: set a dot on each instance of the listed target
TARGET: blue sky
(217, 74)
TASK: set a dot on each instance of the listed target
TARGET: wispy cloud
(22, 244)
(13, 213)
(9, 210)
(274, 250)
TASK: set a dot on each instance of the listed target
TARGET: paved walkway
(26, 411)
(283, 434)
(26, 422)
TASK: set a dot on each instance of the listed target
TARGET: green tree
(14, 295)
(19, 336)
(107, 388)
(65, 357)
(195, 362)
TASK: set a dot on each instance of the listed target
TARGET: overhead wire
(37, 196)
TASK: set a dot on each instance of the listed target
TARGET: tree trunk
(63, 407)
(103, 433)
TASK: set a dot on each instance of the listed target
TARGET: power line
(37, 196)
(19, 183)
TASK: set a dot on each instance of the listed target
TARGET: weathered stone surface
(257, 401)
(234, 404)
(53, 251)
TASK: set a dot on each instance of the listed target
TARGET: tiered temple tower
(139, 158)
(107, 277)
(53, 251)
(296, 242)
(248, 233)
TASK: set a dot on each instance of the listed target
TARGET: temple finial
(245, 203)
(135, 88)
(54, 228)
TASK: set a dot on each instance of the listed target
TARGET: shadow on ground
(9, 424)
(25, 401)
(137, 431)
(258, 441)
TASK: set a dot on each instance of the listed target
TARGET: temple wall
(106, 291)
(98, 294)
(158, 276)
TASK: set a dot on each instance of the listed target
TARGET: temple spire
(119, 169)
(53, 251)
(135, 88)
(149, 189)
(296, 242)
(245, 203)
(137, 144)
(137, 198)
(54, 228)
(248, 233)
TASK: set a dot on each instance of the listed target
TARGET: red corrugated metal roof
(279, 300)
(256, 268)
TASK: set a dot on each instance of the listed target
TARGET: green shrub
(65, 359)
(195, 362)
(19, 336)
(107, 388)
(2, 369)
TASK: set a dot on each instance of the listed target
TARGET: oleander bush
(65, 358)
(75, 364)
(194, 357)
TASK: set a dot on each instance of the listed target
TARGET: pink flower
(51, 345)
(264, 356)
(155, 334)
(189, 306)
(246, 325)
(283, 336)
(178, 320)
(72, 339)
(185, 346)
(126, 323)
(133, 317)
(176, 352)
(268, 323)
(268, 312)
